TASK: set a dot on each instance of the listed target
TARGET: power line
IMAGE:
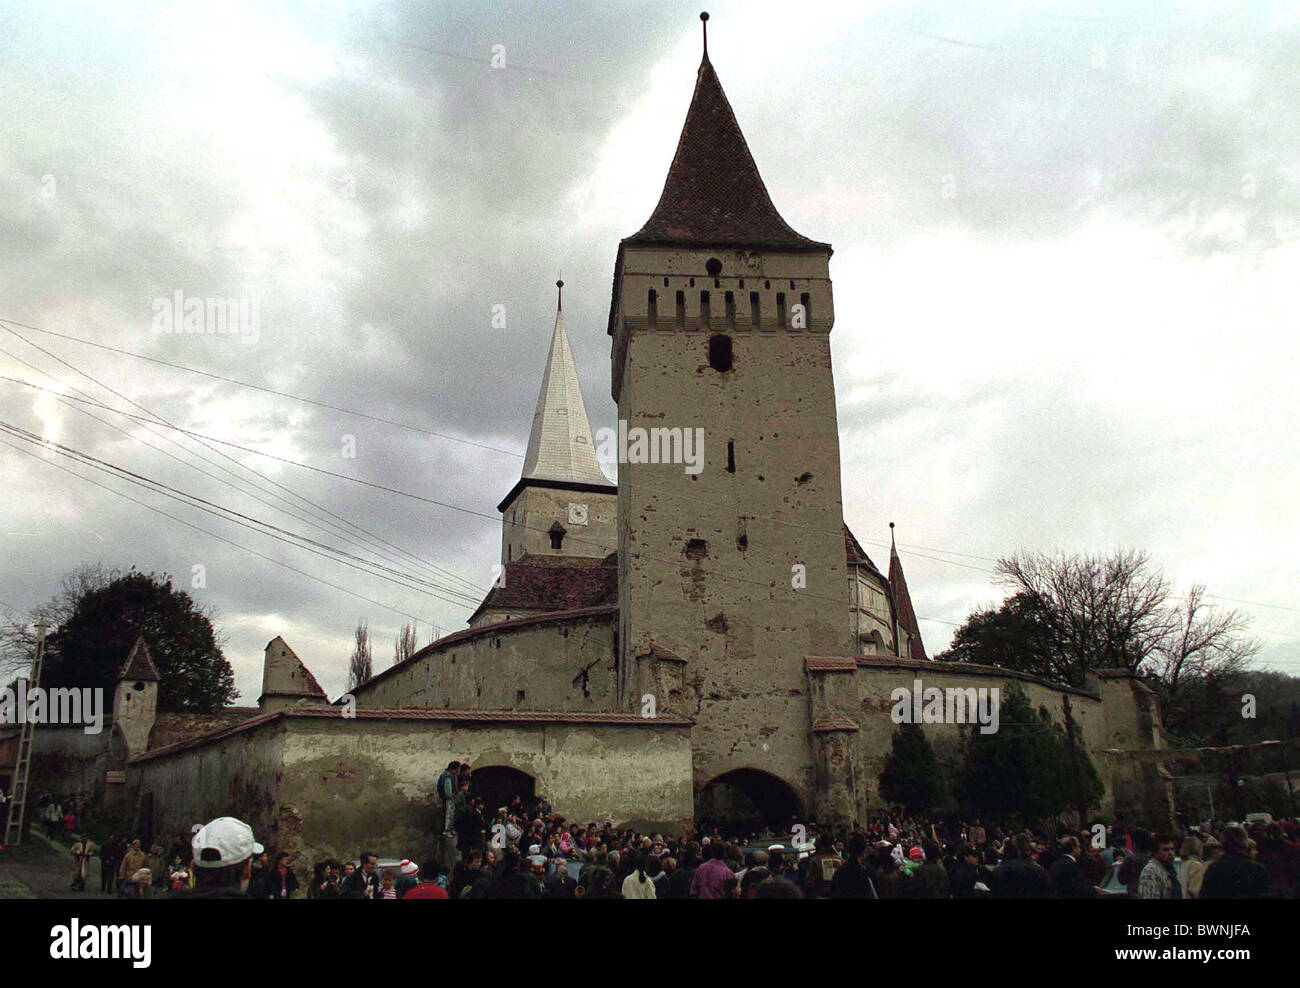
(219, 538)
(271, 391)
(238, 518)
(156, 419)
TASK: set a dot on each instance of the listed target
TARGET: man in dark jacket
(852, 879)
(1019, 876)
(362, 883)
(1234, 876)
(930, 881)
(965, 873)
(1064, 878)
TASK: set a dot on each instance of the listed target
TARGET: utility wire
(158, 420)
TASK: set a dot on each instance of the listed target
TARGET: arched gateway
(749, 799)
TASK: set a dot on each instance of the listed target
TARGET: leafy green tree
(93, 641)
(1025, 766)
(911, 773)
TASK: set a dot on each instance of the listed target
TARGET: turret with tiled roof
(903, 601)
(139, 665)
(286, 680)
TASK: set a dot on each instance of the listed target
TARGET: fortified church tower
(721, 318)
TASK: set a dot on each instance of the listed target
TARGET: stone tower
(286, 681)
(135, 700)
(721, 318)
(563, 504)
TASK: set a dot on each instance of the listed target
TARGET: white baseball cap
(223, 842)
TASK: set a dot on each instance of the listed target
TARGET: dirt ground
(40, 869)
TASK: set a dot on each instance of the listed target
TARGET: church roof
(855, 555)
(139, 666)
(543, 584)
(560, 447)
(713, 195)
(903, 600)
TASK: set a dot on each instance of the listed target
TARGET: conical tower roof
(560, 447)
(139, 665)
(714, 195)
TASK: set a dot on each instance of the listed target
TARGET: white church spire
(560, 446)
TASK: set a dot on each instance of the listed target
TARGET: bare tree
(359, 665)
(1097, 612)
(18, 631)
(405, 645)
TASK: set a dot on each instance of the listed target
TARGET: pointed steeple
(903, 601)
(560, 447)
(714, 195)
(286, 678)
(139, 665)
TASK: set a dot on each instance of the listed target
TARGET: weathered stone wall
(1108, 714)
(67, 761)
(369, 784)
(321, 784)
(530, 664)
(706, 561)
(238, 775)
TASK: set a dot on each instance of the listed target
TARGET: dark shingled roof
(855, 555)
(903, 604)
(138, 665)
(714, 195)
(539, 583)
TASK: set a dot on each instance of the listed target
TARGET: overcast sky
(1063, 238)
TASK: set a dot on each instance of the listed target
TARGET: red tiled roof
(539, 585)
(833, 722)
(713, 194)
(822, 664)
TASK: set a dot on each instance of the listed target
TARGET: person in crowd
(1019, 876)
(852, 879)
(110, 859)
(1065, 879)
(82, 849)
(362, 883)
(222, 855)
(1131, 869)
(408, 877)
(279, 882)
(448, 784)
(1234, 876)
(388, 884)
(1191, 868)
(1159, 880)
(132, 861)
(427, 886)
(139, 885)
(638, 884)
(708, 879)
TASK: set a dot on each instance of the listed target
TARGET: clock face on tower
(577, 514)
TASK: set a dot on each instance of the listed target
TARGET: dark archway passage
(749, 800)
(497, 785)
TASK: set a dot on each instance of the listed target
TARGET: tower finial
(891, 537)
(559, 302)
(704, 18)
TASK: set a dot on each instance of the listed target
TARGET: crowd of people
(524, 849)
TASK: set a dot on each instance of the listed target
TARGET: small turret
(285, 680)
(135, 700)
